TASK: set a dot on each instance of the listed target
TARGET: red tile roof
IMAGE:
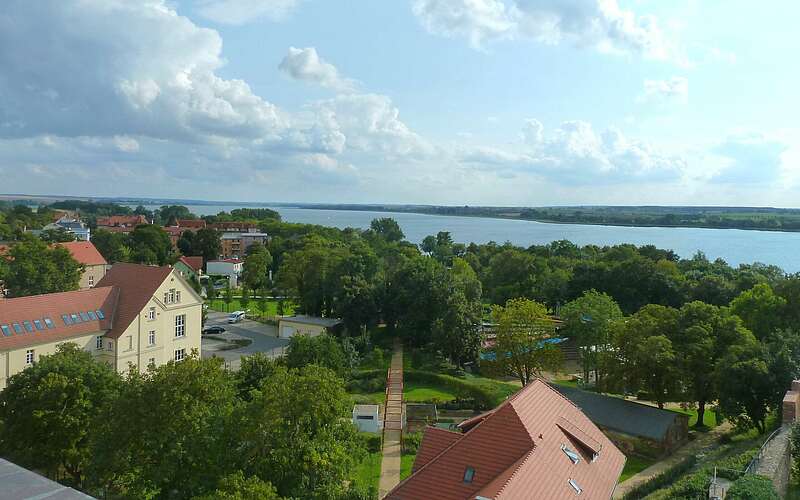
(137, 284)
(192, 223)
(52, 306)
(434, 441)
(121, 220)
(516, 453)
(85, 253)
(195, 263)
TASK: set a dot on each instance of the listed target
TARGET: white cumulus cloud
(306, 65)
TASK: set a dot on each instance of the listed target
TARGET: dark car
(209, 330)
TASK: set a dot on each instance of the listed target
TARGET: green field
(635, 465)
(368, 472)
(709, 417)
(254, 306)
(420, 393)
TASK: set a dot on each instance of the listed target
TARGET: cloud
(239, 12)
(674, 89)
(575, 154)
(750, 158)
(600, 24)
(306, 65)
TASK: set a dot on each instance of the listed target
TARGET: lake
(735, 246)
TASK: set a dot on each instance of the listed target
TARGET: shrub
(463, 389)
(752, 487)
(372, 442)
(411, 442)
(661, 480)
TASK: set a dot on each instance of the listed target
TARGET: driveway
(263, 338)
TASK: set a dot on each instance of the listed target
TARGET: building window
(91, 281)
(178, 296)
(180, 325)
(575, 486)
(152, 362)
(151, 337)
(151, 314)
(29, 355)
(166, 297)
(573, 456)
(130, 342)
(110, 345)
(98, 342)
(171, 295)
(180, 354)
(469, 474)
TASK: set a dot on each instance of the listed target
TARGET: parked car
(210, 330)
(235, 316)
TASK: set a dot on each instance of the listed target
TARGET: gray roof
(22, 484)
(312, 320)
(617, 414)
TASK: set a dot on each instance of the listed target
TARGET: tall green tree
(112, 246)
(244, 300)
(761, 309)
(237, 487)
(745, 387)
(256, 266)
(457, 330)
(207, 243)
(295, 433)
(227, 297)
(322, 350)
(150, 244)
(588, 320)
(35, 268)
(50, 410)
(523, 328)
(168, 434)
(387, 228)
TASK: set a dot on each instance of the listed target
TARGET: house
(236, 244)
(94, 265)
(174, 233)
(536, 445)
(289, 326)
(232, 268)
(120, 223)
(235, 227)
(20, 483)
(191, 224)
(191, 268)
(366, 418)
(135, 316)
(633, 427)
(71, 225)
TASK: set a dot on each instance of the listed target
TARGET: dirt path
(392, 424)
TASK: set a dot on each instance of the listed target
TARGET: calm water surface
(733, 245)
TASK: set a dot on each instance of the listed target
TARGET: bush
(483, 397)
(367, 381)
(661, 480)
(411, 442)
(372, 442)
(752, 487)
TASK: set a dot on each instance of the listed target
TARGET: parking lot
(263, 338)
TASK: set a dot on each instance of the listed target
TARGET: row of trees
(184, 430)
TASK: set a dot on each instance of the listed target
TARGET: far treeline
(764, 219)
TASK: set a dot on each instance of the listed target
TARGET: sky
(460, 102)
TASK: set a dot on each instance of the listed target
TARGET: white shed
(366, 418)
(289, 326)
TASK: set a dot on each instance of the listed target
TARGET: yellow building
(135, 316)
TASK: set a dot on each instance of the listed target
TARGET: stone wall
(775, 460)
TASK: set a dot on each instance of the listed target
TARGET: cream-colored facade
(92, 275)
(168, 328)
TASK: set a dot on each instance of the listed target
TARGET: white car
(236, 316)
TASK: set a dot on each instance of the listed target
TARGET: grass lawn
(254, 306)
(567, 383)
(634, 465)
(368, 472)
(371, 398)
(417, 393)
(406, 462)
(709, 417)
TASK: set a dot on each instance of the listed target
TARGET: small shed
(366, 418)
(632, 426)
(289, 326)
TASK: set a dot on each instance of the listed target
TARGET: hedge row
(661, 480)
(486, 395)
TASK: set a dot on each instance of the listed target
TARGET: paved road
(264, 339)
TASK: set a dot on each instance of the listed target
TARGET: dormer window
(469, 474)
(573, 456)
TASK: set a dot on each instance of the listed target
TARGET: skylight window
(92, 315)
(66, 319)
(28, 325)
(84, 316)
(575, 486)
(75, 318)
(17, 328)
(6, 330)
(573, 456)
(38, 323)
(49, 323)
(469, 474)
(100, 314)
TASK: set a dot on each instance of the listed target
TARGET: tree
(228, 296)
(150, 244)
(263, 301)
(387, 228)
(50, 410)
(457, 331)
(112, 246)
(236, 487)
(211, 292)
(744, 385)
(256, 266)
(760, 308)
(207, 243)
(35, 268)
(522, 344)
(192, 402)
(417, 293)
(588, 320)
(59, 235)
(244, 300)
(293, 432)
(322, 350)
(252, 373)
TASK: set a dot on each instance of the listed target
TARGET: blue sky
(496, 102)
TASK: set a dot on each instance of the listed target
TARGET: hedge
(484, 396)
(661, 480)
